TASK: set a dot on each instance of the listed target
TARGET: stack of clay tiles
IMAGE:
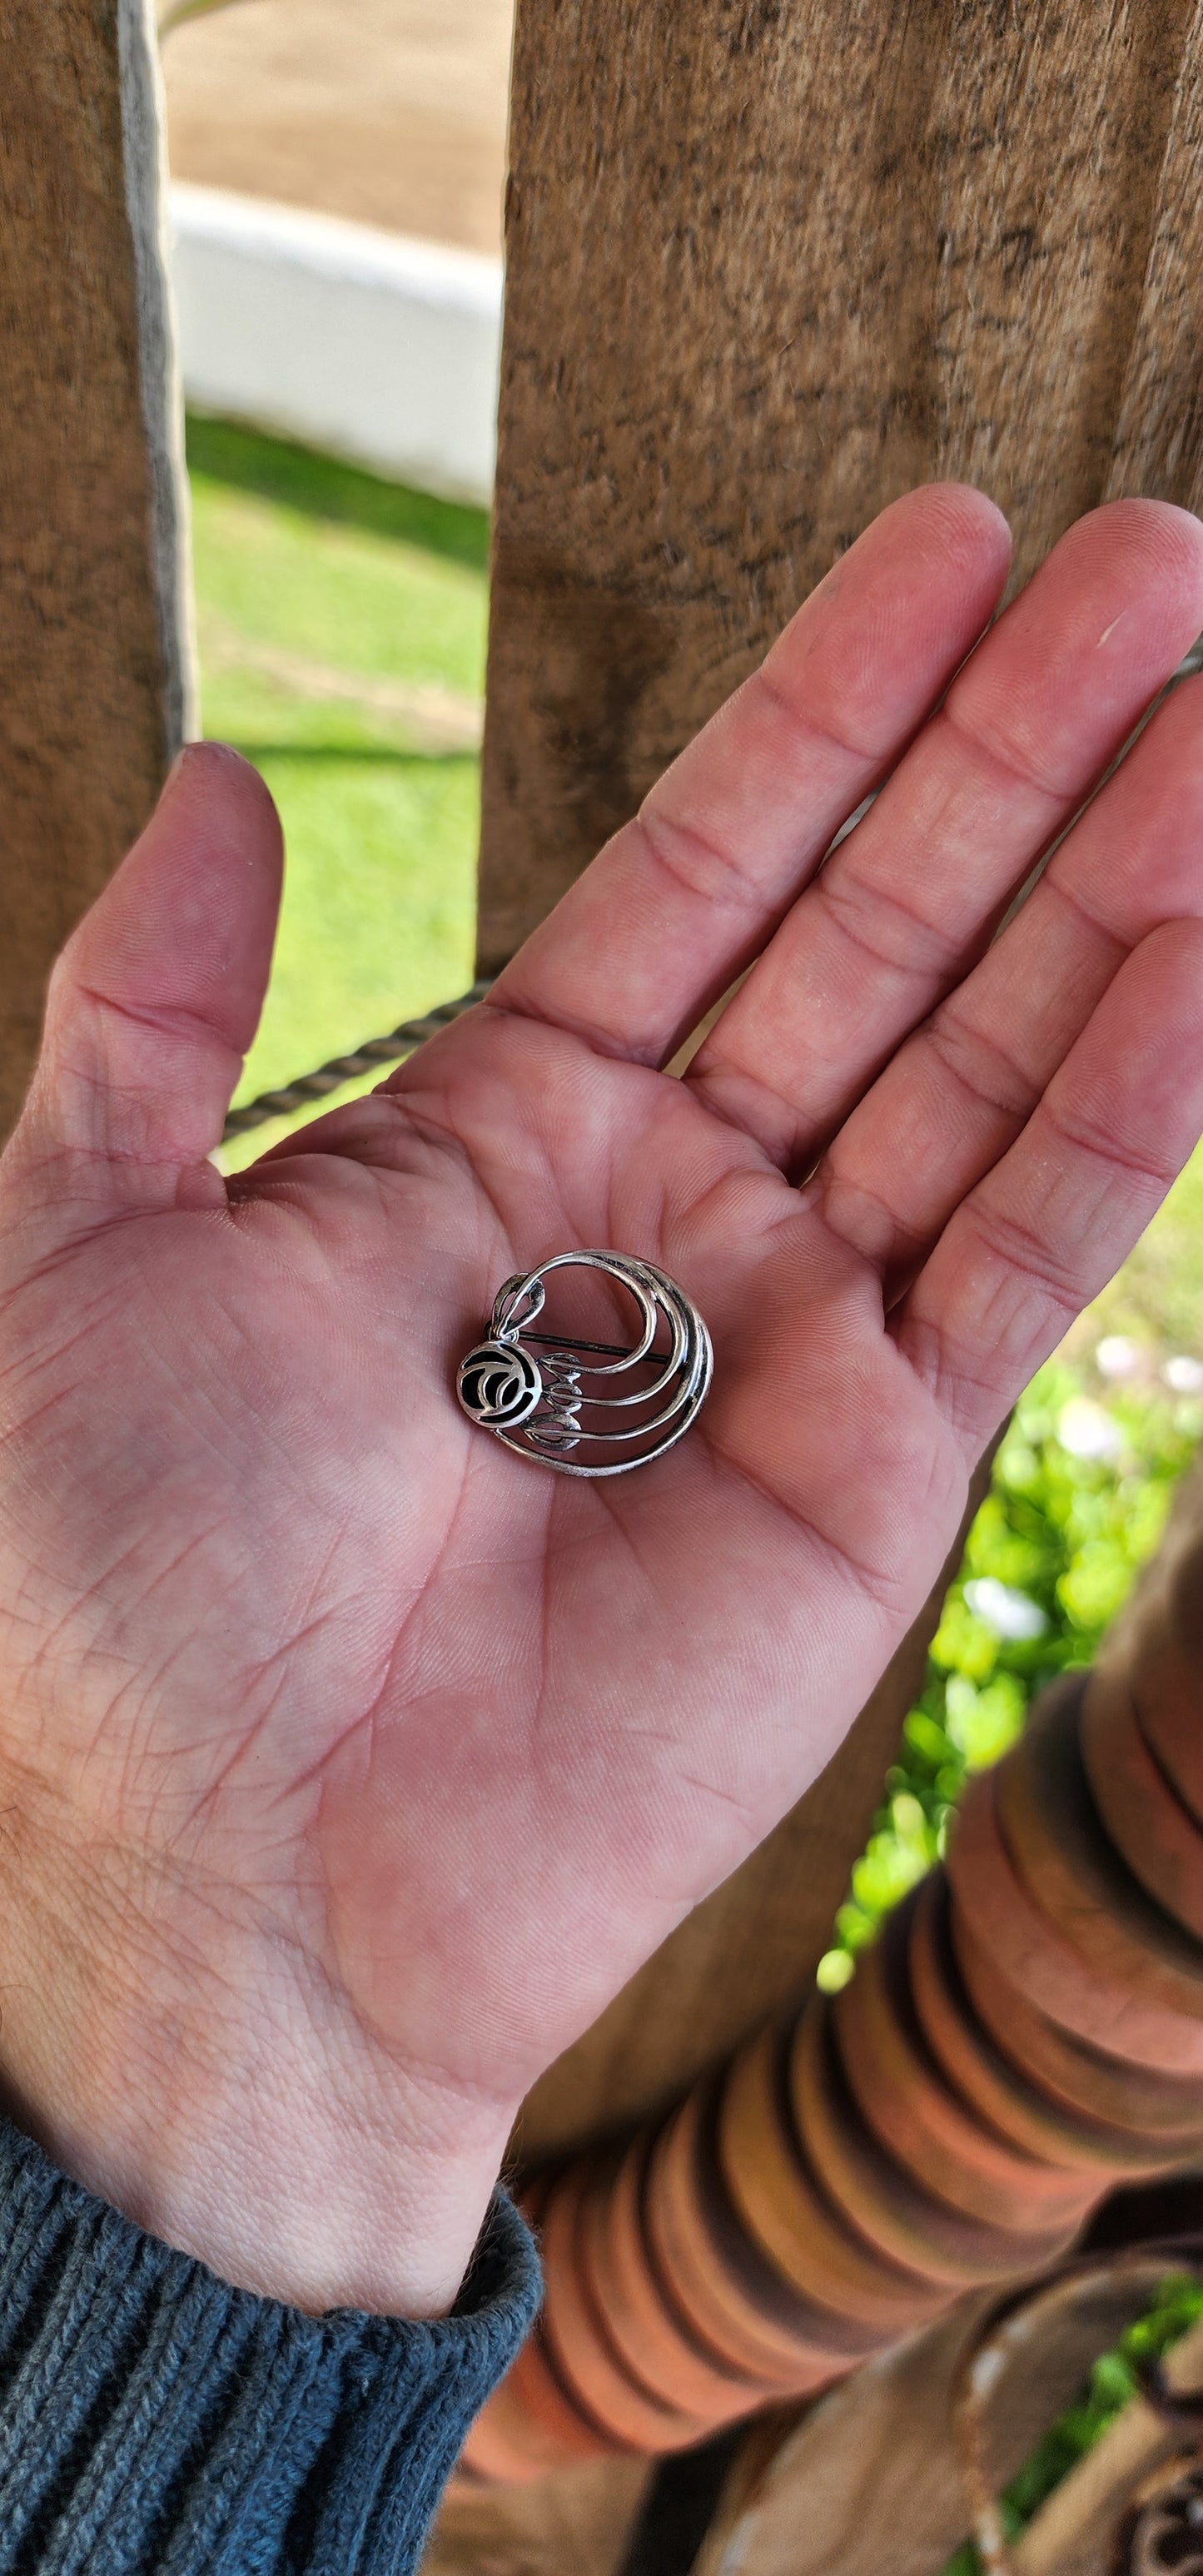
(1026, 2033)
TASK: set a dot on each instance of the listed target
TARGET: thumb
(157, 994)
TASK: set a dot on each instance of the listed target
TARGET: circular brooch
(589, 1408)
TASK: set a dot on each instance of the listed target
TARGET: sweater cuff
(156, 2422)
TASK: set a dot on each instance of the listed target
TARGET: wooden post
(873, 2476)
(768, 266)
(94, 688)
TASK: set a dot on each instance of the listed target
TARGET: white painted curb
(359, 342)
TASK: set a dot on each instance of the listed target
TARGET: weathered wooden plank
(93, 667)
(872, 2477)
(767, 267)
(1158, 444)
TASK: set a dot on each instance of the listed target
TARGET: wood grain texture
(868, 2480)
(91, 670)
(769, 266)
(751, 1949)
(872, 2478)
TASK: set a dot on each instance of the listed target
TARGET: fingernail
(176, 771)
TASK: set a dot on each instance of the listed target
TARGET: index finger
(690, 890)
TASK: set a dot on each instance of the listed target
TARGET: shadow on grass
(324, 488)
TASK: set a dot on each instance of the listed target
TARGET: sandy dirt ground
(390, 111)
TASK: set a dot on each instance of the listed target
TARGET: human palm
(378, 1756)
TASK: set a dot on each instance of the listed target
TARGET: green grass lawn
(341, 624)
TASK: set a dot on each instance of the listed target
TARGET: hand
(348, 1764)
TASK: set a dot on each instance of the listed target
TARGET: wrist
(230, 2104)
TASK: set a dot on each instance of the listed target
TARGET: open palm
(378, 1756)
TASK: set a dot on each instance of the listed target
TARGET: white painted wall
(358, 342)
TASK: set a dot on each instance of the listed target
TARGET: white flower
(1184, 1374)
(1088, 1431)
(1011, 1614)
(1116, 1356)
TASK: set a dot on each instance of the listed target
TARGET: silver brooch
(552, 1404)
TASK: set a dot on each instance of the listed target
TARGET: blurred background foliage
(1078, 1500)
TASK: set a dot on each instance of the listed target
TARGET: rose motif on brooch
(499, 1385)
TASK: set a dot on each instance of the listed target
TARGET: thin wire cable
(338, 1069)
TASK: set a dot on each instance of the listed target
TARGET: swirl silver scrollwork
(589, 1408)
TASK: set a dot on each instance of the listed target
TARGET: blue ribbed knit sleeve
(155, 2422)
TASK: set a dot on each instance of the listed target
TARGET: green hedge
(1078, 1500)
